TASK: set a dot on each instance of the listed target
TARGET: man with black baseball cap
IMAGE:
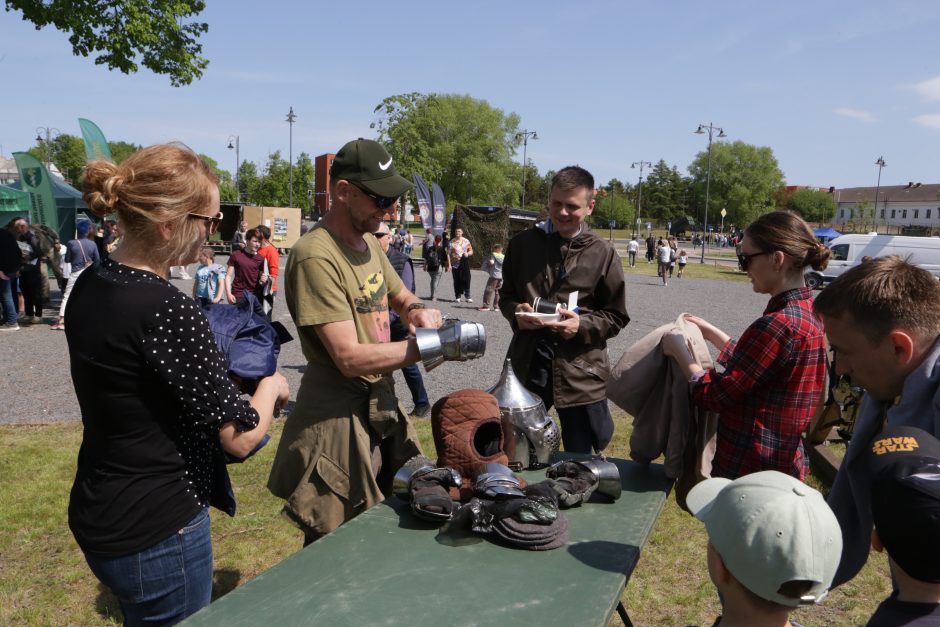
(905, 506)
(347, 435)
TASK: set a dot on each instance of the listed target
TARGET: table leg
(622, 612)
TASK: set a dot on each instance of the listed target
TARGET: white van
(848, 251)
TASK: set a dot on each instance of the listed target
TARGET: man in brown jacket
(565, 361)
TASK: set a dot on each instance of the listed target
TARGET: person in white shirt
(632, 249)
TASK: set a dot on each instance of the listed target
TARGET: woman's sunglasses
(382, 202)
(214, 221)
(744, 260)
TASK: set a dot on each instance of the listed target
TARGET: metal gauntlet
(455, 340)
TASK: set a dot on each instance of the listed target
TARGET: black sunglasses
(744, 260)
(382, 202)
(378, 235)
(214, 221)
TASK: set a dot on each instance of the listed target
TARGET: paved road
(36, 386)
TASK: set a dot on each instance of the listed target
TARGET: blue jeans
(6, 301)
(166, 582)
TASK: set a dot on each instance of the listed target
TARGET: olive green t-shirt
(328, 281)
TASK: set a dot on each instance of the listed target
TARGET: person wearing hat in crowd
(348, 434)
(565, 361)
(882, 319)
(773, 545)
(905, 506)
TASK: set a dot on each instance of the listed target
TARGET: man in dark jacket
(9, 269)
(565, 361)
(406, 270)
(31, 278)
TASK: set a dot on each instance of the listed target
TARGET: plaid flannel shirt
(768, 391)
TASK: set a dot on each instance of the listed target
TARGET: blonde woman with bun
(158, 408)
(773, 376)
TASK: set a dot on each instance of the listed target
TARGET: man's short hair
(265, 231)
(905, 498)
(573, 177)
(884, 294)
(253, 233)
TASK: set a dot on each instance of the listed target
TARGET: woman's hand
(712, 334)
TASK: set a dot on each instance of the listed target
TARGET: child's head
(905, 499)
(497, 248)
(206, 255)
(775, 535)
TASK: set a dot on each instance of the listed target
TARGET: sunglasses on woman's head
(214, 221)
(382, 202)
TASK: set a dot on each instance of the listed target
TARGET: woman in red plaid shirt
(773, 376)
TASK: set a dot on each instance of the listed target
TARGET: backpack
(432, 262)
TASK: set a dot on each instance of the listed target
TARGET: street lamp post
(880, 163)
(710, 129)
(639, 192)
(50, 134)
(525, 134)
(238, 162)
(290, 155)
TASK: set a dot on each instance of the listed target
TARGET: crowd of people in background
(774, 542)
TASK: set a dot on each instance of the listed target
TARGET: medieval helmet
(536, 434)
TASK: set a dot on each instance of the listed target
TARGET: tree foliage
(665, 194)
(744, 179)
(272, 187)
(813, 205)
(613, 202)
(455, 140)
(67, 152)
(157, 33)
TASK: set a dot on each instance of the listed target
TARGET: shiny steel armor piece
(535, 433)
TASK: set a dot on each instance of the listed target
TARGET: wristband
(414, 306)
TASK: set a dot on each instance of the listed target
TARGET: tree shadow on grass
(107, 606)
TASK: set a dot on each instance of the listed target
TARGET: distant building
(912, 209)
(8, 172)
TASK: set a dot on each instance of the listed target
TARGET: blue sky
(829, 86)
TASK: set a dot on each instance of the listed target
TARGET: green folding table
(386, 567)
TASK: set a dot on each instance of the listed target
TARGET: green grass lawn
(44, 579)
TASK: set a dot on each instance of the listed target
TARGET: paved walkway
(36, 386)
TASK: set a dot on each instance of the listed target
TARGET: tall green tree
(813, 205)
(226, 184)
(612, 202)
(744, 179)
(272, 187)
(665, 194)
(122, 150)
(160, 34)
(67, 152)
(453, 139)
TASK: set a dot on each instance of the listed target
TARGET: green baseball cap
(770, 529)
(368, 164)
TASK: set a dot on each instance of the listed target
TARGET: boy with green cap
(773, 545)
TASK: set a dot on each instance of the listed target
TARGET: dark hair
(253, 234)
(788, 233)
(573, 177)
(884, 294)
(265, 231)
(82, 228)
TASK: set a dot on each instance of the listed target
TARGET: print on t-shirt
(372, 307)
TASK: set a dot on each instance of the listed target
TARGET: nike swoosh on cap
(384, 166)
